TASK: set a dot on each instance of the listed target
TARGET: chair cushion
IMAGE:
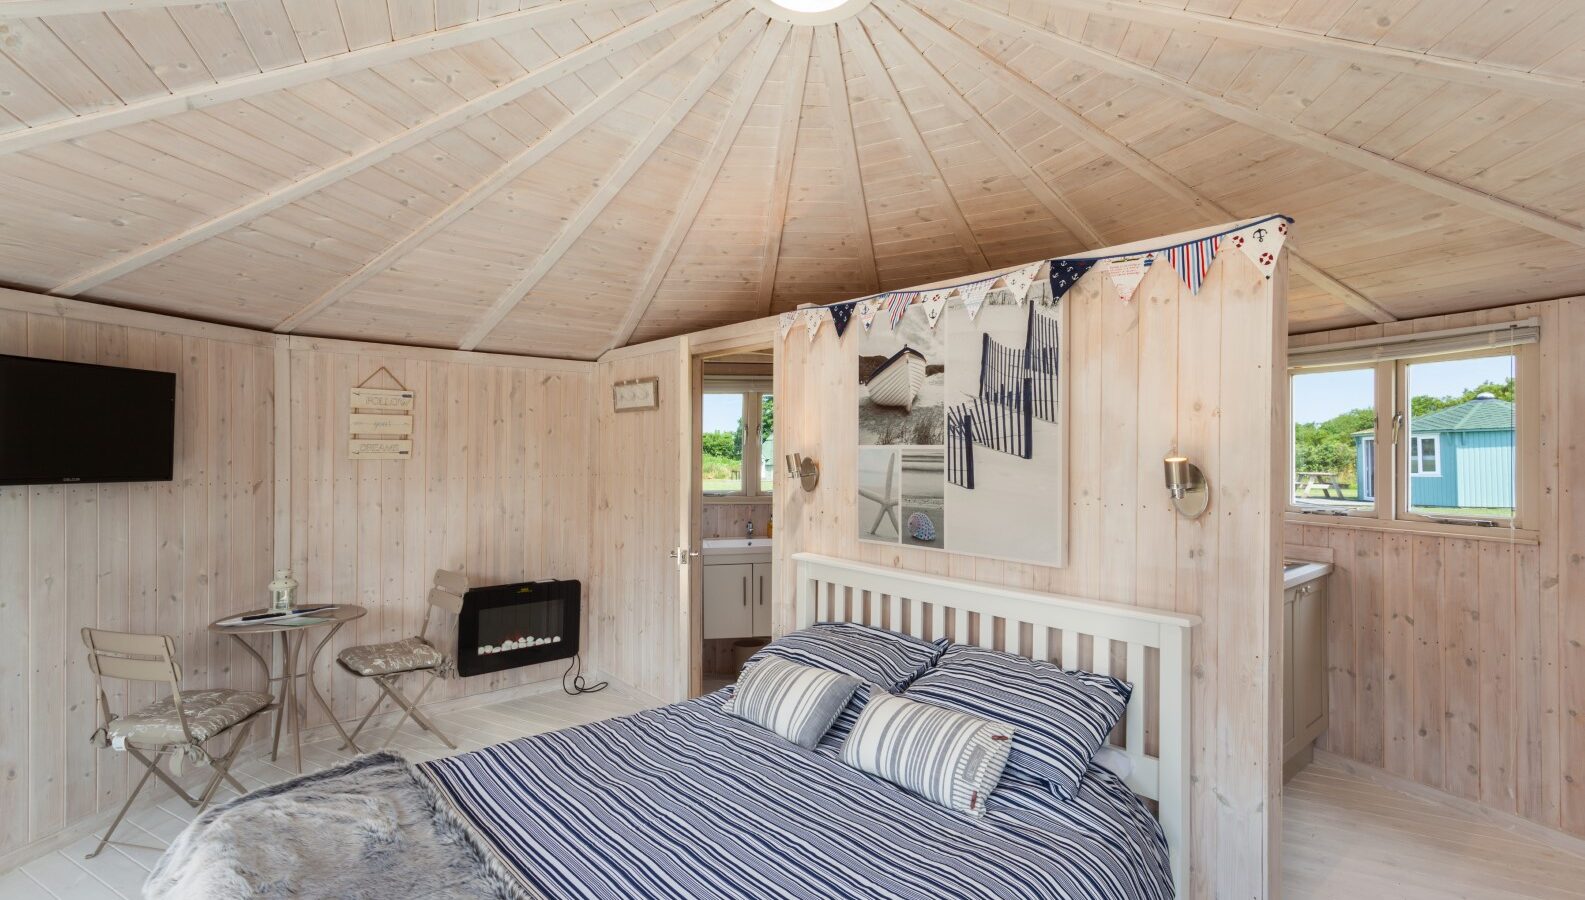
(406, 655)
(208, 714)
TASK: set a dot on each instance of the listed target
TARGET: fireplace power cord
(579, 685)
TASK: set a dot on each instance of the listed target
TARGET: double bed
(690, 801)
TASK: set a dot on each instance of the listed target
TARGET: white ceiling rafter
(786, 150)
(412, 137)
(902, 122)
(1388, 59)
(839, 105)
(1060, 209)
(707, 76)
(1278, 128)
(207, 95)
(688, 209)
(509, 171)
(17, 9)
(1208, 210)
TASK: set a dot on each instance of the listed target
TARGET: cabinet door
(762, 596)
(727, 598)
(1309, 658)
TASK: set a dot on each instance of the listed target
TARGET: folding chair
(176, 726)
(387, 663)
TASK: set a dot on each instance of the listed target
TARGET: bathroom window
(737, 443)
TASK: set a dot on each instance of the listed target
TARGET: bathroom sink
(736, 544)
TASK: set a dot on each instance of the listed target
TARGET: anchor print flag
(933, 303)
(1127, 272)
(1261, 242)
(840, 316)
(867, 310)
(813, 318)
(1065, 273)
(1018, 281)
(784, 324)
(973, 298)
(1193, 260)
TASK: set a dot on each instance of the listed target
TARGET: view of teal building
(1459, 456)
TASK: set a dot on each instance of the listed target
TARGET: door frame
(700, 347)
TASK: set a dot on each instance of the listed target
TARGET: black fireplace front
(509, 625)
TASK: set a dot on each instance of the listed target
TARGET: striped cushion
(797, 702)
(1062, 717)
(945, 756)
(890, 659)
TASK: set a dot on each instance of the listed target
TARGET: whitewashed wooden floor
(120, 870)
(1345, 836)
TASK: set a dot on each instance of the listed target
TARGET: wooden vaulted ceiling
(562, 177)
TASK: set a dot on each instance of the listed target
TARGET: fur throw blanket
(371, 828)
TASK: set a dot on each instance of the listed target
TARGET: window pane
(1461, 437)
(767, 443)
(1334, 421)
(722, 444)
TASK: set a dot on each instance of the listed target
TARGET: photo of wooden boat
(896, 382)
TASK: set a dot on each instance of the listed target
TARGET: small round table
(289, 705)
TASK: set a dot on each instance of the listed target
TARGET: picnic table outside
(1326, 481)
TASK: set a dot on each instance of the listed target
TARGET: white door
(728, 600)
(762, 595)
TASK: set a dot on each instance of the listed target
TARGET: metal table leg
(314, 691)
(269, 680)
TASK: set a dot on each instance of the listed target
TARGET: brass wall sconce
(805, 471)
(1191, 493)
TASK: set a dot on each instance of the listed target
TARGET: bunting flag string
(1065, 273)
(867, 310)
(1018, 281)
(813, 317)
(840, 316)
(1261, 242)
(1127, 272)
(897, 304)
(1193, 260)
(784, 323)
(933, 303)
(974, 297)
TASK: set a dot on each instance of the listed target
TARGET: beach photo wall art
(961, 429)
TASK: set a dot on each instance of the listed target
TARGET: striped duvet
(687, 801)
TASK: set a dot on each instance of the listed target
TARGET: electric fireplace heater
(509, 625)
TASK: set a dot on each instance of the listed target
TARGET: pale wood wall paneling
(1171, 369)
(1459, 662)
(731, 520)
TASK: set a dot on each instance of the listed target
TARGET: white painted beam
(707, 75)
(1208, 210)
(711, 25)
(786, 152)
(885, 90)
(17, 9)
(688, 210)
(412, 137)
(1295, 134)
(206, 95)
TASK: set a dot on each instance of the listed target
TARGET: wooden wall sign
(380, 425)
(631, 396)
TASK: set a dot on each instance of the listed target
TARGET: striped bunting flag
(1193, 260)
(784, 324)
(897, 304)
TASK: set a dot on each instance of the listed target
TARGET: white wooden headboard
(1042, 626)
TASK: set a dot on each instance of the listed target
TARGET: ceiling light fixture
(810, 12)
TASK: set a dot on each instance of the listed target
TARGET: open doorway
(734, 463)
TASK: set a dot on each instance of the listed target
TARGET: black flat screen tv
(64, 423)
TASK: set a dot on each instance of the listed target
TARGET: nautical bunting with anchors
(1018, 281)
(1261, 242)
(1193, 260)
(1127, 272)
(934, 302)
(813, 317)
(867, 310)
(1065, 273)
(784, 324)
(840, 315)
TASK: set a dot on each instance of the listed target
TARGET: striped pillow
(1062, 717)
(890, 659)
(948, 757)
(797, 702)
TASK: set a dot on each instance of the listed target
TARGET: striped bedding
(686, 802)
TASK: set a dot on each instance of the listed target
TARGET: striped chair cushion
(945, 756)
(1062, 717)
(797, 702)
(890, 659)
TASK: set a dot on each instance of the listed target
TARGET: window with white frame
(737, 438)
(1424, 428)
